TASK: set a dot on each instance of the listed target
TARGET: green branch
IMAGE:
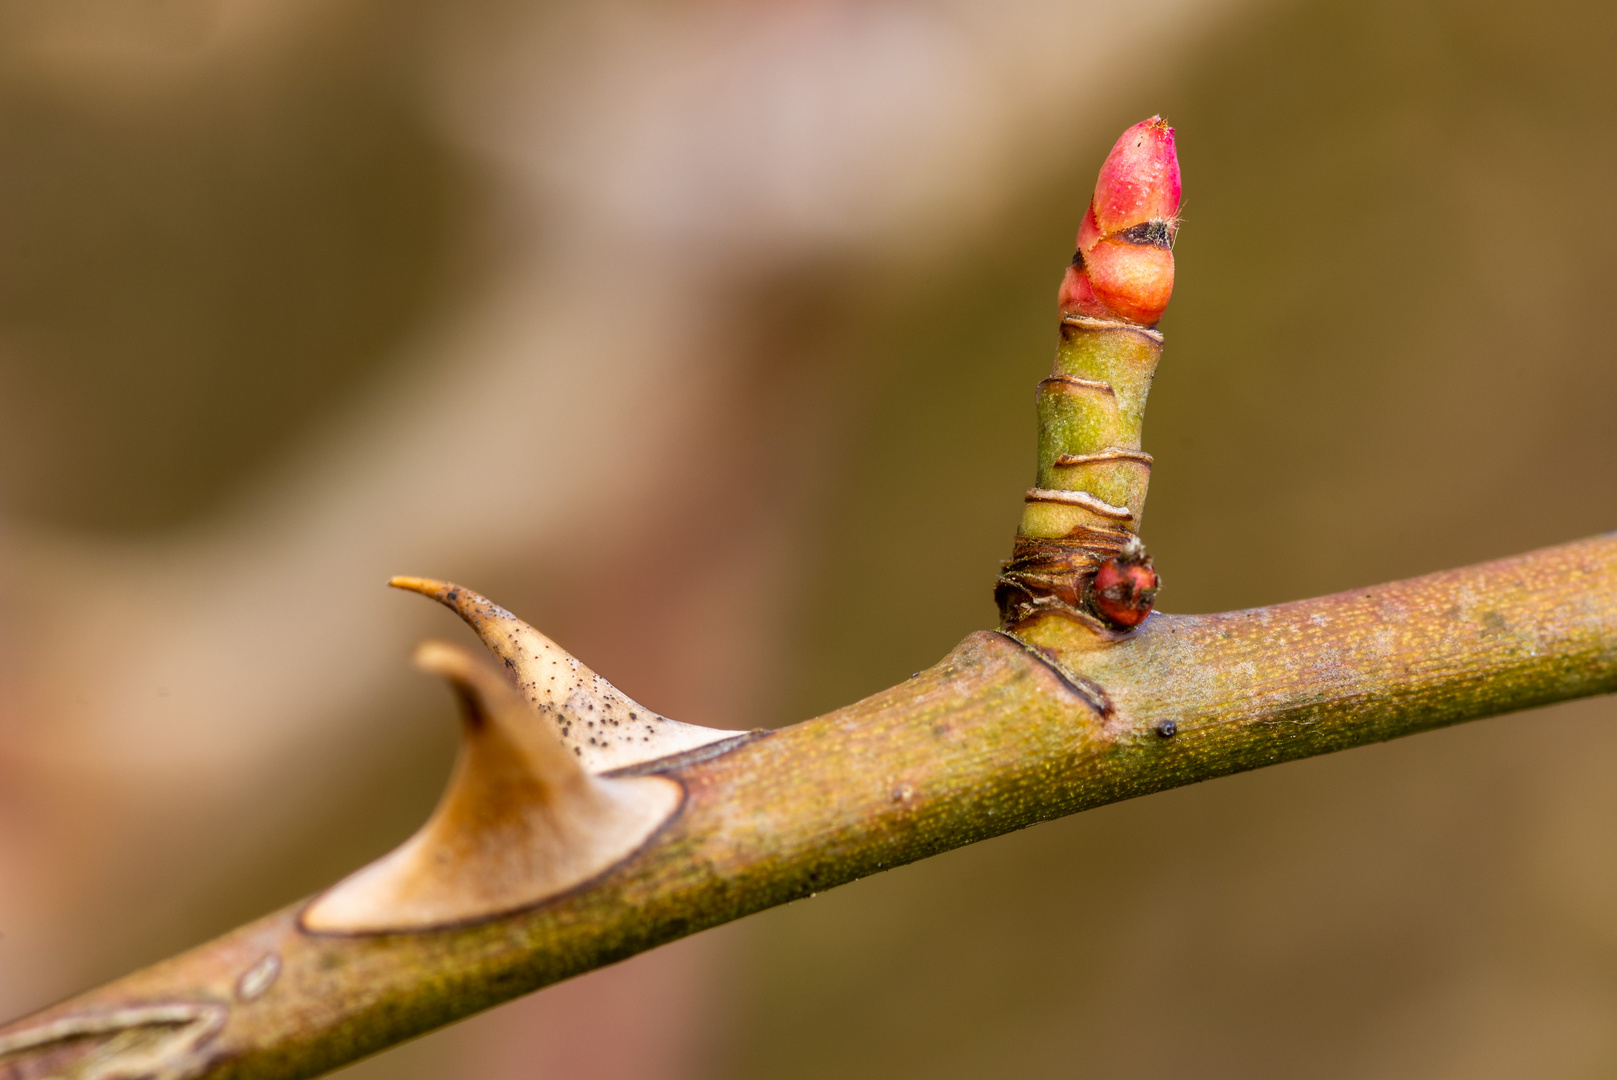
(997, 736)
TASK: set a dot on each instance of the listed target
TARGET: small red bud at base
(1124, 589)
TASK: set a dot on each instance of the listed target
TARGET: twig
(997, 736)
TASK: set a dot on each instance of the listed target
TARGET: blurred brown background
(673, 327)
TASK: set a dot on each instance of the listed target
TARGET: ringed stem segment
(1092, 478)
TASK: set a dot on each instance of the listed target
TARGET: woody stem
(998, 735)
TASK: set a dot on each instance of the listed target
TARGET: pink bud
(1124, 265)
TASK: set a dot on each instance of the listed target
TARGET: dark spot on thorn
(1168, 729)
(632, 716)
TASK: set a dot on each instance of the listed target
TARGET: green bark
(1002, 733)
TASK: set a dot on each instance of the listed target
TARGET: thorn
(558, 685)
(521, 821)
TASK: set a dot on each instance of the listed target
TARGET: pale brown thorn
(521, 820)
(603, 727)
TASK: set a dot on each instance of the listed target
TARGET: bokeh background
(704, 335)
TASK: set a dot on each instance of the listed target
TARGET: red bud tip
(1139, 181)
(1124, 264)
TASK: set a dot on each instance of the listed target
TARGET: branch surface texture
(580, 828)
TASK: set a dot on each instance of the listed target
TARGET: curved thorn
(520, 822)
(603, 727)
